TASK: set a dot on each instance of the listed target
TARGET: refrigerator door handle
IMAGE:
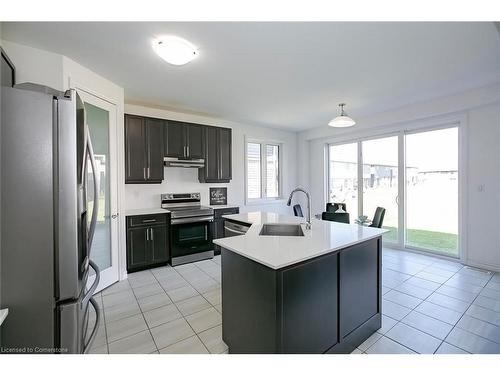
(94, 285)
(95, 208)
(86, 346)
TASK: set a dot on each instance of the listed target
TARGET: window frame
(264, 199)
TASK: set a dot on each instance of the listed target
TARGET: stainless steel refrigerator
(47, 163)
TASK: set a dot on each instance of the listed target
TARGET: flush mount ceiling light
(342, 121)
(175, 50)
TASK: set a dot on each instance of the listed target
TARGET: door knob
(114, 216)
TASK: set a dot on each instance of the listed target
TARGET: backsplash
(177, 180)
(185, 180)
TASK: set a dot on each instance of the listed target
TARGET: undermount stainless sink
(281, 230)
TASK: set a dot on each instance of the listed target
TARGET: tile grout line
(157, 348)
(104, 316)
(465, 312)
(454, 325)
(196, 333)
(130, 287)
(400, 320)
(104, 321)
(422, 288)
(183, 316)
(389, 289)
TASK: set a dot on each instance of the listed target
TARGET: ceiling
(285, 75)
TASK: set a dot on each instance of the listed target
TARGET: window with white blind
(263, 171)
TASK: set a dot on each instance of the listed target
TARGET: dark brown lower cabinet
(219, 223)
(148, 242)
(137, 248)
(328, 304)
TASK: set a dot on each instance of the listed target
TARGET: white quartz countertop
(259, 218)
(280, 251)
(220, 206)
(159, 210)
(146, 211)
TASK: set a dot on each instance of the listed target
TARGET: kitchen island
(316, 291)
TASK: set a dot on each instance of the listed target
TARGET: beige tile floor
(430, 305)
(163, 310)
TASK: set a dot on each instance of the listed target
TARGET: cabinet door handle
(147, 234)
(184, 152)
(149, 173)
(187, 152)
(144, 172)
(152, 235)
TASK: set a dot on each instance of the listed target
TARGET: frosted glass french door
(101, 121)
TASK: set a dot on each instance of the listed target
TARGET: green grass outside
(446, 243)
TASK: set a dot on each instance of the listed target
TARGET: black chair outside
(335, 216)
(378, 218)
(333, 207)
(297, 210)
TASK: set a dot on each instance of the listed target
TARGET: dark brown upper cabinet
(183, 140)
(194, 141)
(174, 139)
(143, 150)
(218, 158)
(154, 149)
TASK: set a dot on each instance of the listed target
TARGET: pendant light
(342, 121)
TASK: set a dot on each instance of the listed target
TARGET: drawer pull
(149, 220)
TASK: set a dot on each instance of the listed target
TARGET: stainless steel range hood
(184, 163)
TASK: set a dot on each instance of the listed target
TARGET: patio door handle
(397, 199)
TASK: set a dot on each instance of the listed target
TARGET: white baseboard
(488, 267)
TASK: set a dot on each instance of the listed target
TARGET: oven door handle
(234, 231)
(186, 220)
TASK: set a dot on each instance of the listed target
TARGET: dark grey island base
(328, 304)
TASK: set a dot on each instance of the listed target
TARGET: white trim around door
(110, 274)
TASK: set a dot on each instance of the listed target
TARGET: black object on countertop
(218, 196)
(336, 216)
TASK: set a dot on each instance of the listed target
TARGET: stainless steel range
(191, 227)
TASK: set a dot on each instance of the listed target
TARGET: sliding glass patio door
(343, 177)
(414, 175)
(432, 191)
(380, 182)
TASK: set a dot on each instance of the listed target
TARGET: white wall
(36, 65)
(61, 73)
(480, 110)
(186, 180)
(484, 169)
(303, 153)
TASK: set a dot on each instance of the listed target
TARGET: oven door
(190, 237)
